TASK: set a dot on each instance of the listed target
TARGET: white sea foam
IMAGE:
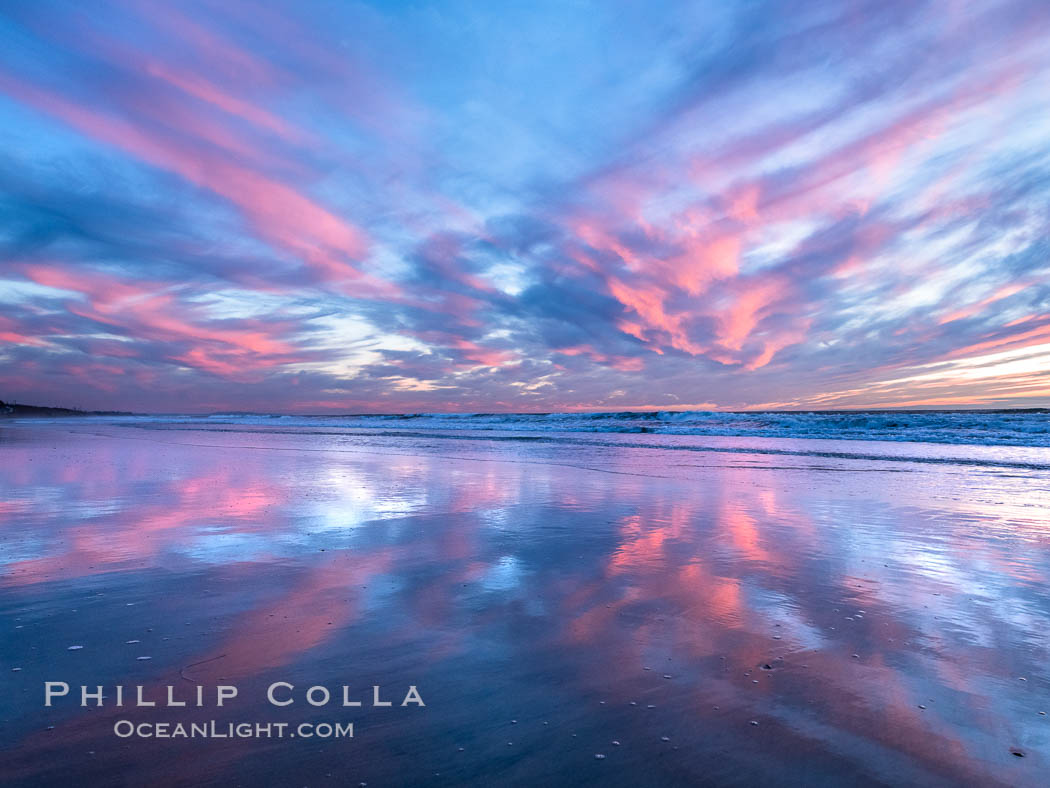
(982, 428)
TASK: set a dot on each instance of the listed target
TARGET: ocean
(959, 427)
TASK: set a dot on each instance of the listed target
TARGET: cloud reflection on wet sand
(547, 584)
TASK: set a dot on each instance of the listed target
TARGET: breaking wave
(986, 428)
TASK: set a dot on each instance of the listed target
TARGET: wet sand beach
(694, 610)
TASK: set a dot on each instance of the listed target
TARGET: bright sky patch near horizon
(369, 206)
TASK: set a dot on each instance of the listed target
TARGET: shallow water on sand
(882, 619)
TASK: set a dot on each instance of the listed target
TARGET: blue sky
(524, 206)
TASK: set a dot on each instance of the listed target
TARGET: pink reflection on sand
(716, 575)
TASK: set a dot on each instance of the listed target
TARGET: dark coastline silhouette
(15, 409)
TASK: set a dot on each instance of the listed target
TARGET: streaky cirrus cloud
(462, 206)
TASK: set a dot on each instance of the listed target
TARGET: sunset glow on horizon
(390, 207)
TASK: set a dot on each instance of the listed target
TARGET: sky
(525, 206)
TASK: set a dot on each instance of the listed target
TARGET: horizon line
(582, 411)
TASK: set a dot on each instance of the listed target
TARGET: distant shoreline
(15, 409)
(18, 410)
